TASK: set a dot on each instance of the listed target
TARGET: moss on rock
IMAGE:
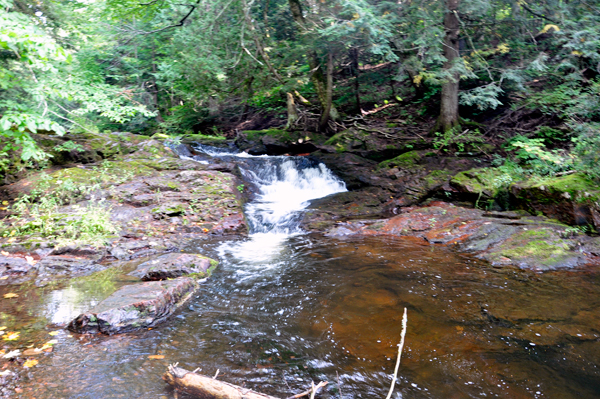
(543, 248)
(405, 161)
(573, 199)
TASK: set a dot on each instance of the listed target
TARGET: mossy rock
(436, 178)
(280, 134)
(407, 160)
(484, 182)
(573, 199)
(169, 210)
(576, 187)
(540, 248)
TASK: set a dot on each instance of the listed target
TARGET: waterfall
(283, 186)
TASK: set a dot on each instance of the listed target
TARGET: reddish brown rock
(503, 238)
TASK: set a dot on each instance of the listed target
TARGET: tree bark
(328, 93)
(317, 77)
(208, 388)
(355, 72)
(449, 103)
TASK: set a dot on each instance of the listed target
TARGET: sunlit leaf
(11, 295)
(53, 333)
(156, 357)
(30, 363)
(11, 336)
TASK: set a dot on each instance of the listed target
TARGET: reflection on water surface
(312, 308)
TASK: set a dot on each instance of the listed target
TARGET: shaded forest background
(522, 77)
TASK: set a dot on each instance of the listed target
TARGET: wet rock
(87, 251)
(406, 180)
(54, 266)
(169, 209)
(528, 242)
(174, 265)
(232, 224)
(367, 142)
(324, 212)
(14, 264)
(135, 307)
(276, 142)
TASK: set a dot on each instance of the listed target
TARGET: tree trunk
(292, 111)
(449, 103)
(329, 95)
(355, 72)
(317, 77)
(206, 387)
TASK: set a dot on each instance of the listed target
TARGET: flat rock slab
(529, 242)
(174, 265)
(135, 307)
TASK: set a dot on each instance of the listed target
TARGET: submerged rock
(136, 306)
(174, 265)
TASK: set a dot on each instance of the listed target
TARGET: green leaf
(31, 125)
(5, 124)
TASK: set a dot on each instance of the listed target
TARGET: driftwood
(206, 387)
(210, 388)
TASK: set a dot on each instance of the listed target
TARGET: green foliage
(482, 97)
(532, 153)
(40, 212)
(69, 146)
(587, 148)
(467, 140)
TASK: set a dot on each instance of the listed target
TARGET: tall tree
(449, 118)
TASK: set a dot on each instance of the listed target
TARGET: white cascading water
(284, 187)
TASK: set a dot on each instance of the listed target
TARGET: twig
(178, 24)
(311, 391)
(339, 385)
(73, 122)
(216, 374)
(402, 335)
(377, 109)
(526, 7)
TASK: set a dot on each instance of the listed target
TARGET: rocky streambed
(156, 203)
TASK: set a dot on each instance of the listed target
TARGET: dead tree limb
(207, 387)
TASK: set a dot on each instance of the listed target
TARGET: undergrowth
(42, 212)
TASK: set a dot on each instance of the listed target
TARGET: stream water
(286, 308)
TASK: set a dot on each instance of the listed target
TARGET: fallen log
(206, 387)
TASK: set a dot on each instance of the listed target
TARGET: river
(285, 308)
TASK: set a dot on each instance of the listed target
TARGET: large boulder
(486, 187)
(135, 307)
(276, 142)
(174, 265)
(573, 199)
